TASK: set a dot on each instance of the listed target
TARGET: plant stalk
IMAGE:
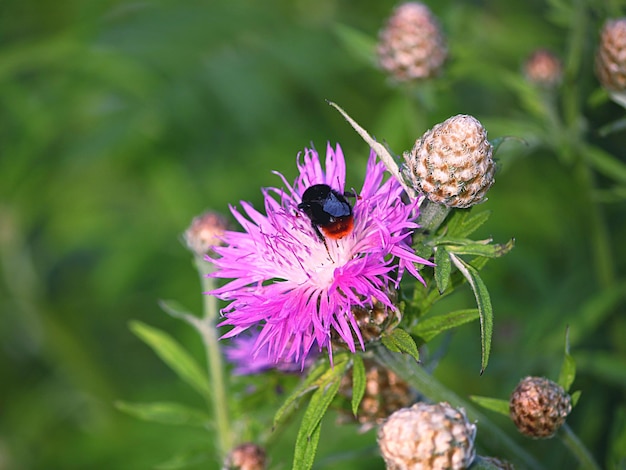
(576, 447)
(210, 339)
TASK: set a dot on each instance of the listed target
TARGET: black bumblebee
(329, 211)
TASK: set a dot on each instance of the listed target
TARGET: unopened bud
(385, 393)
(611, 55)
(543, 68)
(411, 45)
(452, 163)
(427, 436)
(246, 456)
(205, 232)
(538, 407)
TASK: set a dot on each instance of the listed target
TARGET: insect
(329, 211)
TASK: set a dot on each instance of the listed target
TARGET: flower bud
(538, 407)
(428, 437)
(385, 393)
(246, 456)
(205, 232)
(411, 45)
(611, 55)
(452, 163)
(543, 68)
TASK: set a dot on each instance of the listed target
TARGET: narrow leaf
(483, 301)
(605, 163)
(311, 383)
(185, 460)
(494, 404)
(358, 382)
(430, 327)
(174, 355)
(568, 368)
(463, 222)
(492, 250)
(359, 44)
(443, 267)
(308, 434)
(400, 341)
(304, 455)
(165, 412)
(576, 397)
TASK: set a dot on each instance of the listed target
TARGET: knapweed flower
(247, 360)
(299, 287)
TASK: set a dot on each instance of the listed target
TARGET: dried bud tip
(543, 68)
(411, 45)
(205, 232)
(452, 163)
(246, 456)
(538, 407)
(427, 436)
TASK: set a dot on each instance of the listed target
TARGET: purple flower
(246, 359)
(298, 289)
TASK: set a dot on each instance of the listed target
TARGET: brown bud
(246, 456)
(411, 45)
(205, 232)
(452, 163)
(538, 407)
(385, 393)
(611, 55)
(543, 68)
(428, 437)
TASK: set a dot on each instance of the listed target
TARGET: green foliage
(494, 404)
(400, 341)
(122, 120)
(175, 356)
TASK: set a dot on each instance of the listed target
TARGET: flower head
(298, 286)
(411, 46)
(452, 163)
(429, 437)
(539, 407)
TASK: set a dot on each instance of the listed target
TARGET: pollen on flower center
(320, 264)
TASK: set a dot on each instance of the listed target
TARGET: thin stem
(574, 444)
(431, 388)
(210, 339)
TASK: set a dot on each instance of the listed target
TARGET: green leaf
(430, 327)
(358, 382)
(605, 366)
(174, 355)
(605, 163)
(360, 45)
(494, 404)
(443, 267)
(306, 448)
(489, 250)
(464, 222)
(191, 458)
(165, 412)
(575, 397)
(400, 341)
(568, 368)
(308, 434)
(483, 301)
(481, 463)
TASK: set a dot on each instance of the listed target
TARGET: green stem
(573, 443)
(599, 233)
(431, 388)
(210, 339)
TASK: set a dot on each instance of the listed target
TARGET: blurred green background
(120, 121)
